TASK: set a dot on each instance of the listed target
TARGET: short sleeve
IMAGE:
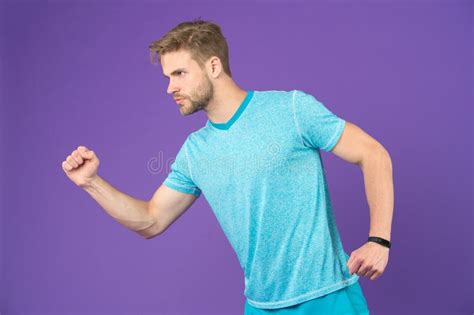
(318, 127)
(179, 178)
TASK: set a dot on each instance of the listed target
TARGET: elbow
(153, 228)
(150, 236)
(387, 157)
(383, 151)
(377, 153)
(150, 232)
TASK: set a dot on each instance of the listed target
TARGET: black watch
(380, 241)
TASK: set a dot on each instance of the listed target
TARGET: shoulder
(273, 93)
(286, 95)
(197, 136)
(276, 98)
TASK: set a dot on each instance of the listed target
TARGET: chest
(244, 158)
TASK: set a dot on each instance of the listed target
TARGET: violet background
(79, 73)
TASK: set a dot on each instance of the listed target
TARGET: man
(257, 160)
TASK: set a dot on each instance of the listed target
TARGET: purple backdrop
(79, 74)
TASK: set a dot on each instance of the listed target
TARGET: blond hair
(203, 39)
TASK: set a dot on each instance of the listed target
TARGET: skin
(359, 148)
(211, 90)
(208, 89)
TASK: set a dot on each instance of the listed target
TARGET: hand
(368, 260)
(81, 166)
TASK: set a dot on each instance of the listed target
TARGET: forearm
(128, 211)
(378, 180)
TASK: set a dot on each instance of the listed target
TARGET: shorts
(346, 301)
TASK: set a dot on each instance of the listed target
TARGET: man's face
(189, 84)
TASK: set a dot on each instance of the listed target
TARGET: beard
(199, 101)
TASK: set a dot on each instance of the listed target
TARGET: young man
(257, 160)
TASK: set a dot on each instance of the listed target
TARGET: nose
(171, 88)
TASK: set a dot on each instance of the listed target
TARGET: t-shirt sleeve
(180, 178)
(318, 127)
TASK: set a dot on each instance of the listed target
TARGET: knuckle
(70, 160)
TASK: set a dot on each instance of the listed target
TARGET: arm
(165, 207)
(357, 147)
(148, 219)
(128, 211)
(377, 170)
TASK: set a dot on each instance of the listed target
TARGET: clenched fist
(81, 166)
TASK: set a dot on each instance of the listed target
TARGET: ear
(215, 66)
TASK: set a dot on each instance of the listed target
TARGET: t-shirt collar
(235, 116)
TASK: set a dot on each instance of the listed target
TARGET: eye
(180, 72)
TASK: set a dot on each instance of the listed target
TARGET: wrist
(90, 183)
(379, 240)
(380, 233)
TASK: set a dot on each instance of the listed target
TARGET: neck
(227, 99)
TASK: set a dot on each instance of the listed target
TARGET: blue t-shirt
(262, 174)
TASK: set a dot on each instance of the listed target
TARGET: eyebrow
(175, 72)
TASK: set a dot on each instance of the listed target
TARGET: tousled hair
(202, 39)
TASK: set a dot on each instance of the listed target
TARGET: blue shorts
(347, 301)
